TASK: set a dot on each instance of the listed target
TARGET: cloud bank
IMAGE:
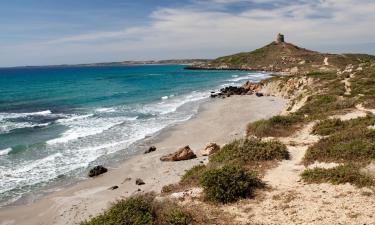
(212, 28)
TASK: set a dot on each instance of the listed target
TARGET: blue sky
(46, 32)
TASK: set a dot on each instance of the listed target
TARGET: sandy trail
(291, 201)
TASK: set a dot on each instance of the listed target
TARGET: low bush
(176, 216)
(327, 127)
(277, 126)
(249, 150)
(330, 126)
(322, 75)
(142, 210)
(338, 175)
(192, 176)
(229, 183)
(354, 144)
(132, 211)
(319, 106)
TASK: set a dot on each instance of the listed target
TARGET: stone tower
(279, 38)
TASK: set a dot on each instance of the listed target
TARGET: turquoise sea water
(56, 122)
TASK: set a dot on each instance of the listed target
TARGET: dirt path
(291, 201)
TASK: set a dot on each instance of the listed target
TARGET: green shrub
(142, 210)
(229, 183)
(277, 126)
(327, 127)
(249, 150)
(322, 75)
(192, 176)
(132, 211)
(319, 106)
(177, 217)
(338, 175)
(356, 144)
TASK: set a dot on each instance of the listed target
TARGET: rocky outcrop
(285, 87)
(184, 153)
(97, 170)
(210, 149)
(229, 91)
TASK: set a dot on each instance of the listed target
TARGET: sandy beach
(218, 120)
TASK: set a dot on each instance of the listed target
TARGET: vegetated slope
(283, 57)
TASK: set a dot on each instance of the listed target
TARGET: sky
(50, 32)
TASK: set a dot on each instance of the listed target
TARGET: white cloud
(205, 32)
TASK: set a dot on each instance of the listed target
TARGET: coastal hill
(280, 56)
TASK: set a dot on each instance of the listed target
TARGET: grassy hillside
(284, 57)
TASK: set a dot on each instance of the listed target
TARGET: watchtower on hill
(280, 38)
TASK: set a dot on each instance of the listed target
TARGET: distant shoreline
(122, 63)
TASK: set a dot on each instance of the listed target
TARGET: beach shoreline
(217, 120)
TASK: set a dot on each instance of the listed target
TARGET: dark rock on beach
(113, 187)
(258, 94)
(139, 182)
(151, 149)
(97, 170)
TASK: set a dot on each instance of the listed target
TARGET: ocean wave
(12, 121)
(73, 118)
(105, 110)
(86, 125)
(28, 173)
(6, 127)
(172, 104)
(5, 151)
(251, 76)
(17, 115)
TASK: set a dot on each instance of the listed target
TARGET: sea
(57, 122)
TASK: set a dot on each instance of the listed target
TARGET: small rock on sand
(151, 149)
(210, 149)
(139, 182)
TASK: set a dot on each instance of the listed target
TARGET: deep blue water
(57, 121)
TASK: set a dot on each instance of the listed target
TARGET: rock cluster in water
(247, 89)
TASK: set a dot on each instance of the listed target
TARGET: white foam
(164, 97)
(74, 117)
(250, 76)
(41, 113)
(5, 151)
(6, 125)
(29, 172)
(17, 115)
(106, 110)
(86, 125)
(172, 104)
